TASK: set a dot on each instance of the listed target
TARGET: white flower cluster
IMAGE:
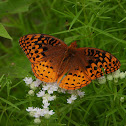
(46, 97)
(38, 112)
(46, 93)
(50, 88)
(32, 84)
(112, 76)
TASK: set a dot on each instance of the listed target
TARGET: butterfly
(51, 59)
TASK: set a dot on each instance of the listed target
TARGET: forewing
(97, 59)
(39, 47)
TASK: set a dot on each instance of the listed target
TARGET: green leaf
(15, 6)
(4, 33)
(75, 18)
(111, 112)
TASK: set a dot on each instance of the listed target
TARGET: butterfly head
(73, 44)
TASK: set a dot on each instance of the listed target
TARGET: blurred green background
(92, 23)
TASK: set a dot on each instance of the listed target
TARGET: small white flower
(80, 93)
(48, 113)
(122, 75)
(122, 99)
(37, 121)
(51, 112)
(30, 109)
(102, 80)
(71, 99)
(31, 92)
(116, 74)
(37, 82)
(28, 80)
(33, 111)
(48, 97)
(45, 111)
(50, 87)
(45, 87)
(109, 77)
(50, 91)
(46, 105)
(38, 112)
(51, 98)
(45, 101)
(40, 93)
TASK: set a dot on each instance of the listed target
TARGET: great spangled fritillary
(51, 59)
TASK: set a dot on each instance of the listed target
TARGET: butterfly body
(51, 59)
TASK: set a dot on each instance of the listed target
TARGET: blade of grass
(9, 103)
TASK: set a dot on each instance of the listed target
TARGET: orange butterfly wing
(98, 59)
(39, 47)
(76, 77)
(86, 66)
(42, 52)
